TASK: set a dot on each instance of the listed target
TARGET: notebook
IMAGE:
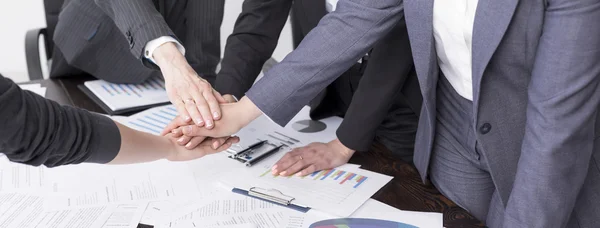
(117, 99)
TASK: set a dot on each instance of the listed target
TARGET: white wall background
(16, 17)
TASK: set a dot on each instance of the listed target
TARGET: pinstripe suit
(106, 38)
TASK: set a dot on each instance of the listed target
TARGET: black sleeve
(203, 36)
(389, 65)
(37, 131)
(251, 44)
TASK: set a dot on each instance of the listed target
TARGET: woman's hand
(314, 157)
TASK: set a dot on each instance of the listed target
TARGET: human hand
(201, 148)
(189, 142)
(314, 157)
(193, 96)
(235, 116)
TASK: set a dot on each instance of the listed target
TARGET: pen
(282, 140)
(293, 139)
(255, 145)
(263, 156)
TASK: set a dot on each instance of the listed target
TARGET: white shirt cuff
(152, 45)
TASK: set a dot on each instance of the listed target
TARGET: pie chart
(309, 126)
(359, 223)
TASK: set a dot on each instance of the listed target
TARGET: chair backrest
(52, 8)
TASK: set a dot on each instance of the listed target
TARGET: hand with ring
(314, 157)
(194, 97)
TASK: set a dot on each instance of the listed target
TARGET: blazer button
(485, 128)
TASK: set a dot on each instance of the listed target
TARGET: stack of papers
(35, 88)
(195, 193)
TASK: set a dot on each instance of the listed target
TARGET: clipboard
(273, 196)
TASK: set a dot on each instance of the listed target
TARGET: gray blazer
(536, 69)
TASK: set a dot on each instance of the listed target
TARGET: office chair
(32, 48)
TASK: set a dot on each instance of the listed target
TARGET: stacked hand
(235, 116)
(201, 148)
(314, 157)
(193, 96)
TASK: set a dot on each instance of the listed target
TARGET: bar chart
(153, 120)
(123, 96)
(339, 176)
(138, 90)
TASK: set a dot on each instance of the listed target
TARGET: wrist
(167, 55)
(249, 110)
(342, 148)
(171, 150)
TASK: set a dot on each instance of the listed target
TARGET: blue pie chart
(359, 223)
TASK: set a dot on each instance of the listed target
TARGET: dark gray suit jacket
(106, 38)
(536, 77)
(255, 37)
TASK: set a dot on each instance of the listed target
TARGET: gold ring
(189, 100)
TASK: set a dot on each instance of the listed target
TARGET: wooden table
(406, 191)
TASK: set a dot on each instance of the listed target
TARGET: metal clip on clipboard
(273, 196)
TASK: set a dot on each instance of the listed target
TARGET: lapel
(491, 22)
(419, 22)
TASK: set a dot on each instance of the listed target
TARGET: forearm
(340, 39)
(251, 44)
(563, 100)
(37, 131)
(138, 147)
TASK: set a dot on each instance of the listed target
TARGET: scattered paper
(35, 88)
(126, 215)
(92, 184)
(337, 191)
(16, 176)
(19, 210)
(75, 217)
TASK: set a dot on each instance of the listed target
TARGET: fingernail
(274, 167)
(215, 145)
(188, 145)
(299, 174)
(283, 173)
(180, 140)
(199, 121)
(187, 118)
(209, 123)
(215, 114)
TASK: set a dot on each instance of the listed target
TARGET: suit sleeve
(389, 65)
(37, 131)
(203, 35)
(251, 44)
(563, 98)
(138, 20)
(341, 38)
